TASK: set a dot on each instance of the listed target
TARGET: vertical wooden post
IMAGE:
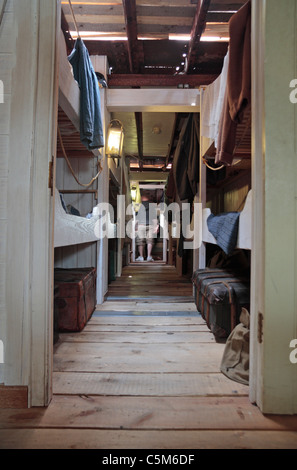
(199, 258)
(29, 275)
(258, 177)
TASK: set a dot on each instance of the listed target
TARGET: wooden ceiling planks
(159, 80)
(154, 20)
(150, 18)
(156, 133)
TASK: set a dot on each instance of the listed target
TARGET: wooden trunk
(76, 299)
(220, 296)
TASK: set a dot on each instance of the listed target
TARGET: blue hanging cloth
(91, 129)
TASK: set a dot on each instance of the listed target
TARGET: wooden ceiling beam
(196, 32)
(226, 6)
(66, 31)
(139, 127)
(139, 80)
(135, 49)
(136, 62)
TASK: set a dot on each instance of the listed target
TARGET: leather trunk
(76, 299)
(220, 296)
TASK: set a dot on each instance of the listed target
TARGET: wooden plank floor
(149, 281)
(145, 375)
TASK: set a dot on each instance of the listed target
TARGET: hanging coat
(186, 163)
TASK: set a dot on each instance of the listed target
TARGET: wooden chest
(76, 298)
(220, 296)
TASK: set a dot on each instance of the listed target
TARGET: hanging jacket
(91, 129)
(186, 163)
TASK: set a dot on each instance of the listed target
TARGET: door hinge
(51, 175)
(260, 327)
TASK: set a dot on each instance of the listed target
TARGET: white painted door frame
(258, 131)
(29, 274)
(273, 377)
(45, 143)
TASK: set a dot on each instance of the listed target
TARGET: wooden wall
(7, 44)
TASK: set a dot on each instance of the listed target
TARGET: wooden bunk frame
(71, 229)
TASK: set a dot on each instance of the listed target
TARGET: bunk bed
(221, 281)
(212, 115)
(71, 229)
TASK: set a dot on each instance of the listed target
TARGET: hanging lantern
(133, 193)
(115, 139)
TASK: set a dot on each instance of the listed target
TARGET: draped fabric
(238, 92)
(224, 227)
(235, 360)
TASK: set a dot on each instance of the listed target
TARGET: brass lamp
(115, 139)
(133, 193)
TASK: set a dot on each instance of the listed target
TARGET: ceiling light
(214, 39)
(98, 36)
(156, 130)
(179, 37)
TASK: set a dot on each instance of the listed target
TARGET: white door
(273, 375)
